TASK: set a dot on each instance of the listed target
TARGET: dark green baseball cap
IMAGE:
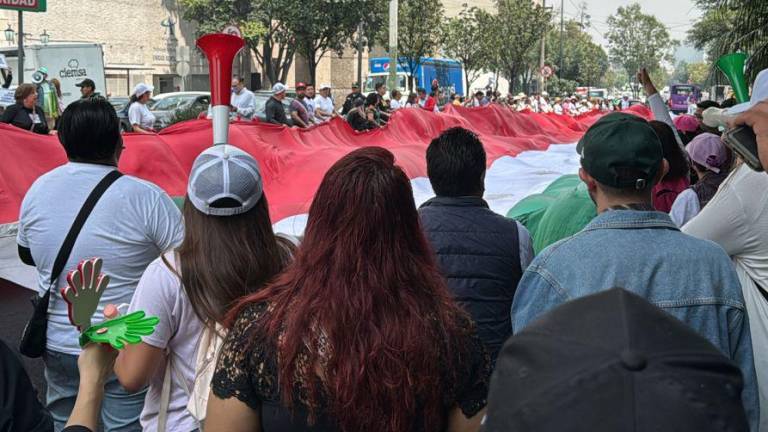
(622, 151)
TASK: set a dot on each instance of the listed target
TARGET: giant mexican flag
(526, 152)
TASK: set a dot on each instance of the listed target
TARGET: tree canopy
(332, 26)
(418, 33)
(637, 40)
(729, 26)
(462, 40)
(584, 61)
(506, 50)
(262, 23)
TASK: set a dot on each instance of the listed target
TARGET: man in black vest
(481, 253)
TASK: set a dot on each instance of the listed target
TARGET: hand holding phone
(743, 142)
(757, 119)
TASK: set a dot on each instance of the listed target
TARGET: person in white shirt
(708, 157)
(324, 106)
(737, 219)
(394, 100)
(309, 101)
(190, 289)
(534, 103)
(558, 108)
(624, 102)
(130, 226)
(141, 118)
(243, 102)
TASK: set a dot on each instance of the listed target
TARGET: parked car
(121, 108)
(262, 96)
(119, 102)
(167, 105)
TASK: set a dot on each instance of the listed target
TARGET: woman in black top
(363, 116)
(360, 333)
(25, 114)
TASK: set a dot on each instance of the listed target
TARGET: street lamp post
(9, 34)
(21, 47)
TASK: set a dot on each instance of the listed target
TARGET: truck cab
(448, 73)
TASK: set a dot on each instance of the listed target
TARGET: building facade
(144, 39)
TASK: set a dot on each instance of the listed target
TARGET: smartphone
(743, 142)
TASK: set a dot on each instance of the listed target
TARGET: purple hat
(708, 151)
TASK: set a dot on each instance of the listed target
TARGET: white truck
(69, 62)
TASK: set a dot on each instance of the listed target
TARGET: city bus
(681, 95)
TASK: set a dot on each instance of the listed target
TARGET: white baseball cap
(225, 181)
(759, 94)
(142, 88)
(279, 88)
(325, 86)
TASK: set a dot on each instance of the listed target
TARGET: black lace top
(248, 372)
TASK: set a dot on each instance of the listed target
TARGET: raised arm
(658, 107)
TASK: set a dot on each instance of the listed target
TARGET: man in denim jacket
(632, 246)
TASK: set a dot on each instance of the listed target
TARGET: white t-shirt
(160, 294)
(736, 218)
(139, 114)
(133, 222)
(310, 104)
(325, 104)
(245, 102)
(685, 207)
(394, 104)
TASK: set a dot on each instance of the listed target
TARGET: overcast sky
(677, 15)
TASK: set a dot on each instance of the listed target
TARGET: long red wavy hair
(366, 280)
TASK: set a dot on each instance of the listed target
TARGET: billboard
(24, 5)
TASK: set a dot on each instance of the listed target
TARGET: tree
(512, 32)
(262, 23)
(583, 61)
(707, 33)
(490, 51)
(321, 26)
(699, 72)
(729, 26)
(593, 66)
(418, 34)
(462, 40)
(681, 73)
(561, 86)
(637, 40)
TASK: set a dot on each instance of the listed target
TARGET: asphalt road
(15, 310)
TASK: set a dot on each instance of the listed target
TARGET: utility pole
(360, 55)
(562, 20)
(542, 80)
(583, 15)
(393, 60)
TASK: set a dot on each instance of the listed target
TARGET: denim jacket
(644, 252)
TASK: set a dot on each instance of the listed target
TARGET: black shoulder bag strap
(33, 339)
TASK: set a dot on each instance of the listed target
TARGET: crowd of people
(39, 106)
(388, 317)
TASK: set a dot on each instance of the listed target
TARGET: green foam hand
(118, 332)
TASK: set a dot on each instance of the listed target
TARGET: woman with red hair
(360, 332)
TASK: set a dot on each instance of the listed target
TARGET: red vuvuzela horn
(220, 49)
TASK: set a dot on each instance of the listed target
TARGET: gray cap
(225, 171)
